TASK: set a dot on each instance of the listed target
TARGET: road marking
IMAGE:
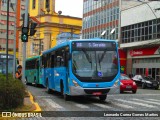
(132, 102)
(53, 104)
(81, 106)
(133, 94)
(102, 105)
(123, 105)
(154, 100)
(157, 103)
(43, 96)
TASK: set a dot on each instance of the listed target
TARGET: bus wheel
(35, 83)
(26, 81)
(65, 96)
(102, 97)
(48, 89)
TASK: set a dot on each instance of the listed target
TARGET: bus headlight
(117, 83)
(75, 83)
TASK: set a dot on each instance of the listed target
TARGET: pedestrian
(19, 72)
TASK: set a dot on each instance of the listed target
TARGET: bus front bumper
(76, 91)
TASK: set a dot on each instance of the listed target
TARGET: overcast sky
(70, 7)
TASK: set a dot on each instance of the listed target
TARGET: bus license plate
(97, 93)
(128, 87)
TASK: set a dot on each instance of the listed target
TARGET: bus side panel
(48, 77)
(43, 77)
(40, 76)
(60, 75)
(51, 78)
(30, 74)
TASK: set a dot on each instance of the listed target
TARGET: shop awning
(140, 43)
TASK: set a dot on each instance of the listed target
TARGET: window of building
(47, 3)
(33, 4)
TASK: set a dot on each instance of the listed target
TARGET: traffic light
(24, 38)
(32, 28)
(25, 29)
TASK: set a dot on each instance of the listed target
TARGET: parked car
(146, 82)
(127, 84)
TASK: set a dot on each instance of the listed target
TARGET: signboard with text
(145, 51)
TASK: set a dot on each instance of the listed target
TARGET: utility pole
(119, 24)
(24, 43)
(7, 40)
(14, 46)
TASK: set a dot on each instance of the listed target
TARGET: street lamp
(119, 24)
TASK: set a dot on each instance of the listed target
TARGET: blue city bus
(82, 67)
(33, 71)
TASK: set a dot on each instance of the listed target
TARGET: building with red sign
(140, 38)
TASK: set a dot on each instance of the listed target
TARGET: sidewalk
(29, 106)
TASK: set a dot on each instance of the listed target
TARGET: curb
(38, 109)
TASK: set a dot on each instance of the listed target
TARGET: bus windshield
(95, 64)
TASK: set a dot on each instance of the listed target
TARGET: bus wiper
(88, 57)
(100, 60)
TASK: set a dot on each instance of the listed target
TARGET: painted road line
(81, 106)
(153, 100)
(156, 103)
(132, 94)
(53, 104)
(136, 103)
(122, 105)
(102, 105)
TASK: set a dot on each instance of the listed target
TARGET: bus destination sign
(91, 45)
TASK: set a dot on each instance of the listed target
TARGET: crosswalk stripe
(53, 104)
(136, 103)
(154, 100)
(102, 105)
(123, 105)
(147, 101)
(81, 106)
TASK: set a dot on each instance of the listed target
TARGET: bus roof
(70, 41)
(31, 58)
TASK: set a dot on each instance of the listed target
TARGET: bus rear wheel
(35, 83)
(26, 81)
(102, 97)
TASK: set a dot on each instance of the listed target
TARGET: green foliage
(12, 92)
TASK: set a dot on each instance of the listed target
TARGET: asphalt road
(88, 107)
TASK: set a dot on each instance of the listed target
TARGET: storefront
(145, 61)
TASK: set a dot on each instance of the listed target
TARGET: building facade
(140, 38)
(99, 16)
(16, 8)
(51, 25)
